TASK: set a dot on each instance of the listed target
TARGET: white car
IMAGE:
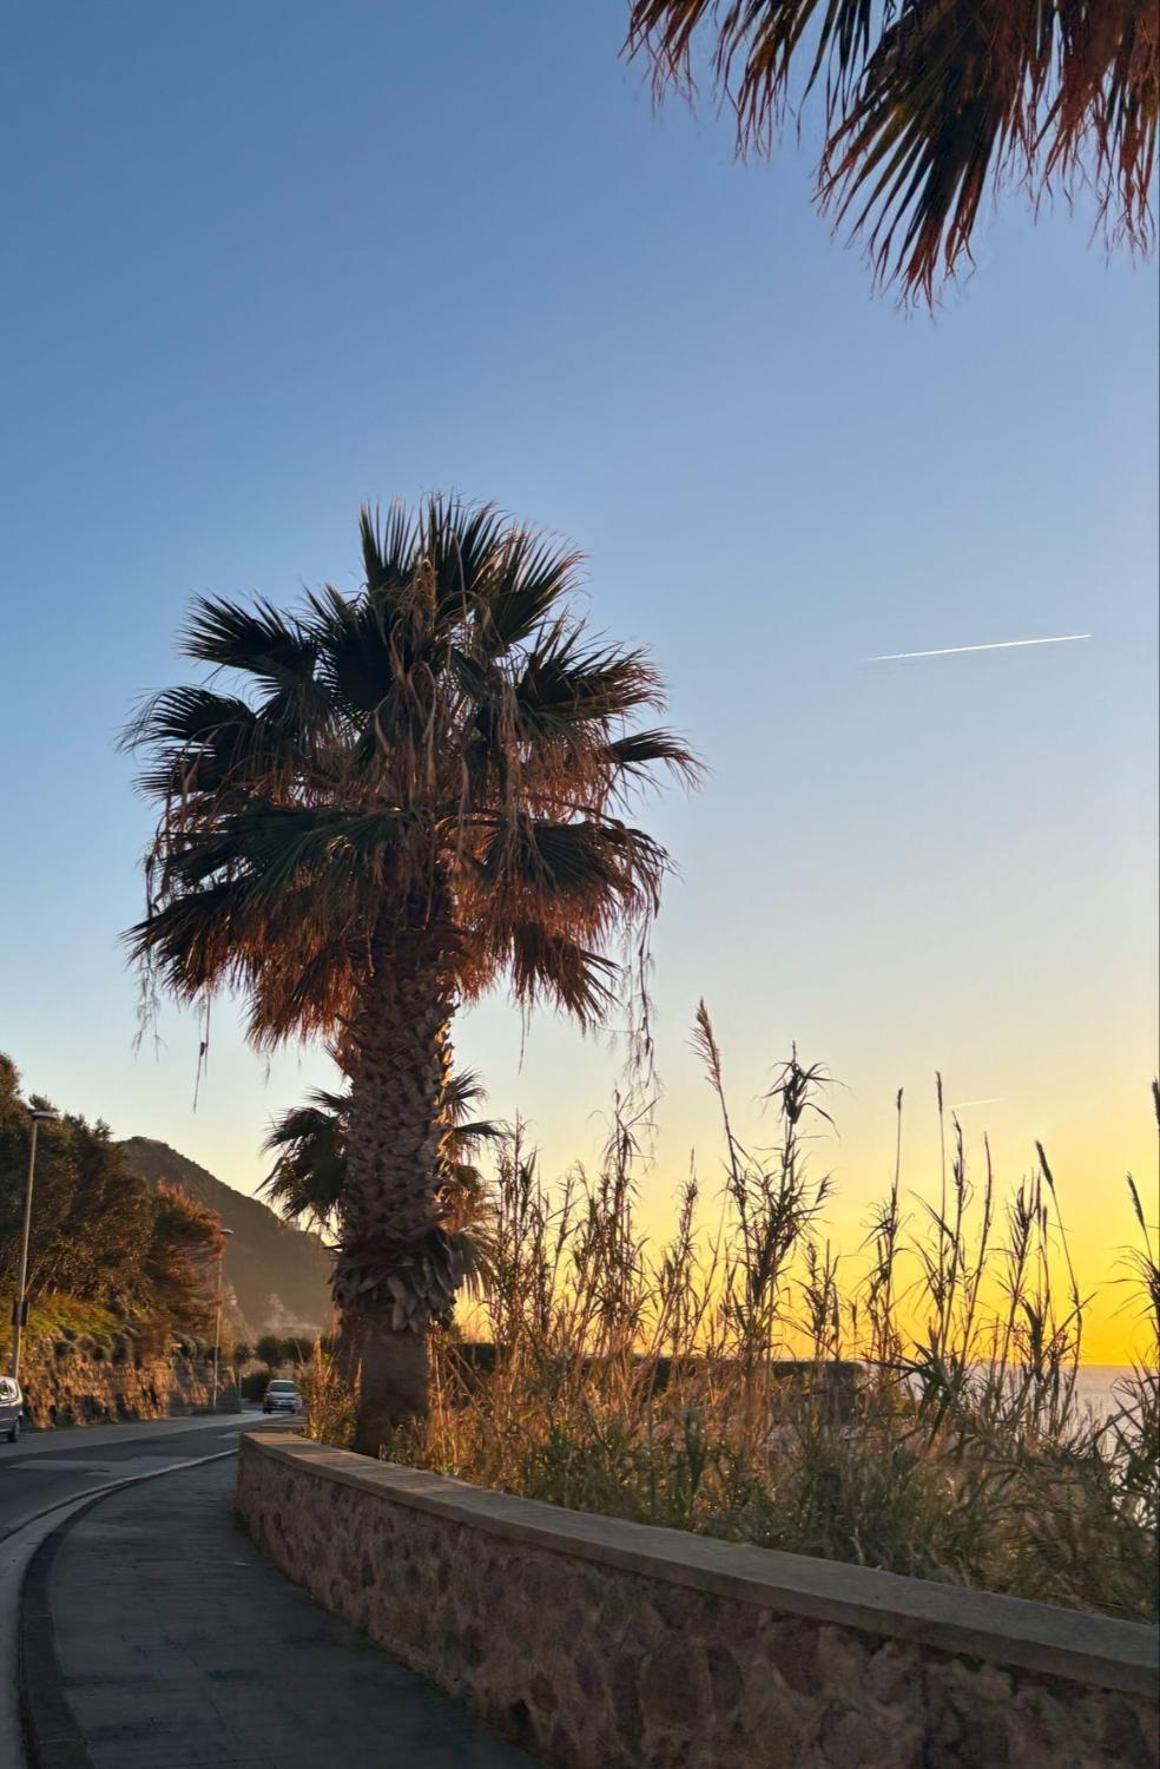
(282, 1397)
(11, 1407)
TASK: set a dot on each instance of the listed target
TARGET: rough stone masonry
(606, 1645)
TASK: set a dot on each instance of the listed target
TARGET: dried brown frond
(932, 104)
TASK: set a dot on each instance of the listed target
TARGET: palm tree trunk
(392, 1275)
(390, 1370)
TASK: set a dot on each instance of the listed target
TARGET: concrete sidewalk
(156, 1637)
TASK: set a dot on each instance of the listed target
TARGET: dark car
(282, 1397)
(11, 1408)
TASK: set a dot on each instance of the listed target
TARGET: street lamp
(40, 1115)
(217, 1323)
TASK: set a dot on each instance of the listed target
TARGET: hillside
(279, 1275)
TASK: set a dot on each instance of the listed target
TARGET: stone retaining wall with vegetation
(64, 1386)
(602, 1644)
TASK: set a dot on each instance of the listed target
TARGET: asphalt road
(45, 1476)
(156, 1634)
(51, 1467)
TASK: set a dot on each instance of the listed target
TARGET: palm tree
(309, 1172)
(930, 103)
(415, 791)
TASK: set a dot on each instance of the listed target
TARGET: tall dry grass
(922, 1415)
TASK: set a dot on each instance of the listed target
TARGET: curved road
(48, 1468)
(153, 1632)
(46, 1475)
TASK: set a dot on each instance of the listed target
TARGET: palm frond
(531, 579)
(260, 641)
(462, 1090)
(545, 966)
(309, 1173)
(636, 756)
(756, 49)
(188, 714)
(586, 876)
(307, 1177)
(201, 741)
(938, 105)
(930, 104)
(291, 957)
(387, 548)
(320, 1117)
(466, 550)
(565, 686)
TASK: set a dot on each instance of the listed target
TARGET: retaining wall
(602, 1644)
(80, 1390)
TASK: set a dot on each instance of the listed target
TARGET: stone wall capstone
(601, 1644)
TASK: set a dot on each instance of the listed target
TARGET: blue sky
(263, 263)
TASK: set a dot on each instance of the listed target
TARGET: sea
(1096, 1387)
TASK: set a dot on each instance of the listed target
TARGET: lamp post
(40, 1115)
(217, 1323)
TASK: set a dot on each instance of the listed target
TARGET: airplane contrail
(999, 645)
(995, 1099)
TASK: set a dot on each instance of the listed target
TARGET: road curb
(52, 1738)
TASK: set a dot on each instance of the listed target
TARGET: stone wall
(602, 1644)
(63, 1386)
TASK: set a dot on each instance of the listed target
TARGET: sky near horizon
(264, 263)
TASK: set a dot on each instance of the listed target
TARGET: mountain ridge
(279, 1275)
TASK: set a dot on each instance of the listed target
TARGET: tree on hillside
(92, 1215)
(179, 1261)
(930, 104)
(416, 790)
(307, 1179)
(99, 1232)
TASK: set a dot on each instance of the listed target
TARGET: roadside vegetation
(379, 806)
(273, 1354)
(117, 1268)
(923, 1415)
